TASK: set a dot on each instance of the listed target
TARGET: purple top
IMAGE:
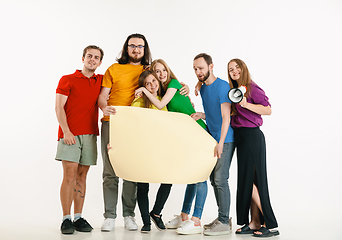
(245, 117)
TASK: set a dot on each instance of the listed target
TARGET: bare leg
(67, 186)
(256, 200)
(256, 197)
(184, 216)
(80, 188)
(255, 207)
(196, 220)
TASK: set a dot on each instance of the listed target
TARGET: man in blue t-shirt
(217, 108)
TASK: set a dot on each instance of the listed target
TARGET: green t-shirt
(180, 103)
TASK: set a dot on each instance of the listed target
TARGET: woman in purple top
(252, 191)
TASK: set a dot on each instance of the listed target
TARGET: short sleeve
(223, 92)
(138, 102)
(107, 80)
(259, 97)
(174, 84)
(63, 86)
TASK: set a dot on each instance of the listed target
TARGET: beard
(90, 68)
(205, 77)
(134, 60)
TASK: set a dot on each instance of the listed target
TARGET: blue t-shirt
(212, 97)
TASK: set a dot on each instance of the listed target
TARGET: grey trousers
(111, 181)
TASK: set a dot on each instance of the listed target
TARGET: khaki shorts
(83, 152)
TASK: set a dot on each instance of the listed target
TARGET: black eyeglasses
(134, 46)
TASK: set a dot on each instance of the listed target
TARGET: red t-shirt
(81, 106)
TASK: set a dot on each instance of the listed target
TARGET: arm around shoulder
(170, 92)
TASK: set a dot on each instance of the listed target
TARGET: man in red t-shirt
(77, 114)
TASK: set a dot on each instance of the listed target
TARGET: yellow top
(122, 79)
(139, 102)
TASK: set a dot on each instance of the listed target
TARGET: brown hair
(170, 74)
(93, 47)
(244, 80)
(142, 77)
(245, 76)
(206, 57)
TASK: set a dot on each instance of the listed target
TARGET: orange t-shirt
(122, 79)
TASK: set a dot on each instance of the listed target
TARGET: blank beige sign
(159, 147)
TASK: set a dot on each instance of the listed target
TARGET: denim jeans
(199, 190)
(219, 180)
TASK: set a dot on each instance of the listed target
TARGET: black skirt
(251, 157)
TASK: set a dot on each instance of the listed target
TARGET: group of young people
(137, 81)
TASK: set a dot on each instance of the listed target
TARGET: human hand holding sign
(109, 110)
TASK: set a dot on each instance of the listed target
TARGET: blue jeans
(219, 180)
(200, 190)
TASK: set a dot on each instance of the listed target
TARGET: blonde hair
(170, 74)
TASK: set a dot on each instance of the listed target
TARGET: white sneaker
(188, 227)
(174, 223)
(130, 223)
(108, 225)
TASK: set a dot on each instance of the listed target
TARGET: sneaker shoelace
(108, 221)
(217, 223)
(132, 219)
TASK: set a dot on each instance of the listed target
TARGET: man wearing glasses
(118, 87)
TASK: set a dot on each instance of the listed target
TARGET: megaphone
(235, 95)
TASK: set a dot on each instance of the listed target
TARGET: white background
(293, 51)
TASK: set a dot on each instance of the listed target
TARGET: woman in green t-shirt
(172, 97)
(149, 80)
(178, 103)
